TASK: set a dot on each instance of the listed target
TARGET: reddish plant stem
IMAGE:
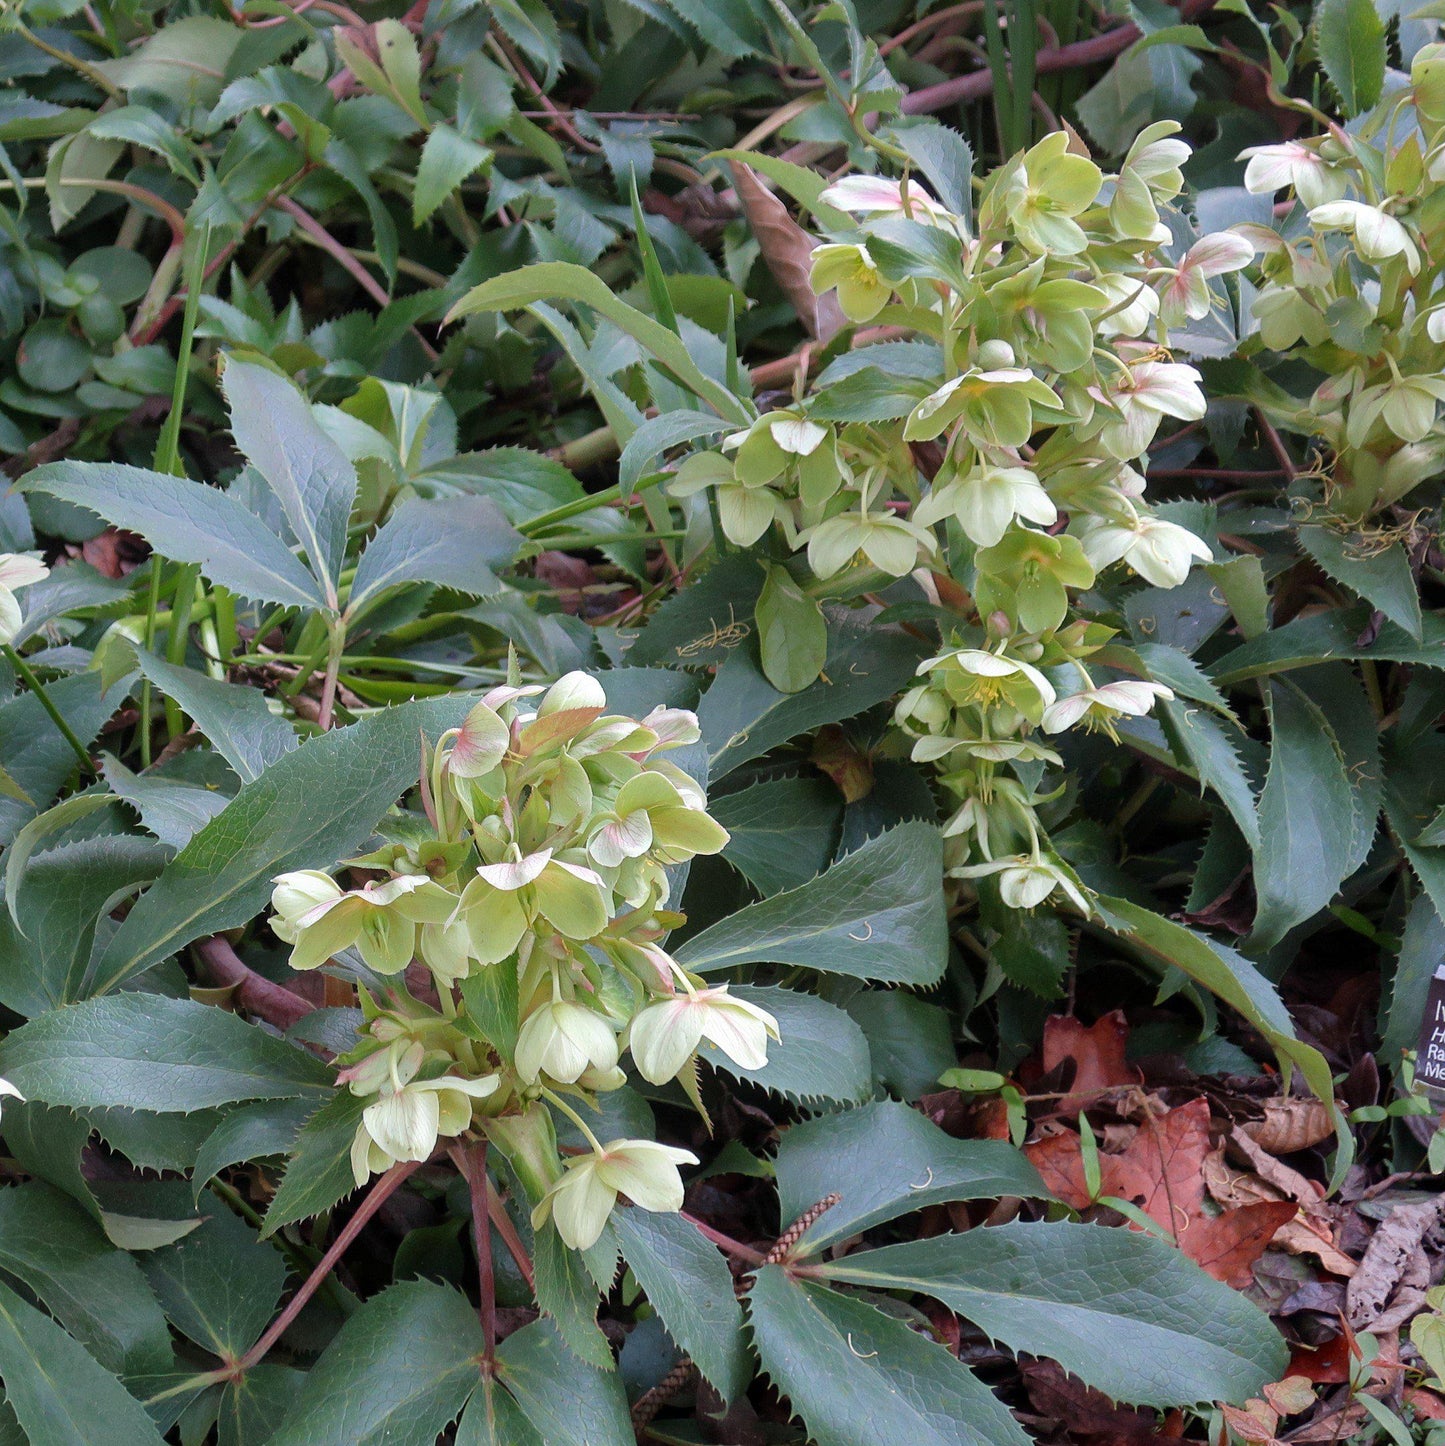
(726, 1243)
(1276, 445)
(253, 992)
(497, 1211)
(472, 1162)
(376, 1197)
(1217, 474)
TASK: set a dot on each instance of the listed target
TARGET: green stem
(590, 503)
(34, 684)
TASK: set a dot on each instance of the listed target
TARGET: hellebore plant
(1011, 466)
(1350, 285)
(534, 906)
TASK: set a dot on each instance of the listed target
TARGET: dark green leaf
(310, 475)
(1350, 39)
(1119, 1309)
(310, 808)
(568, 1403)
(447, 159)
(743, 715)
(691, 1288)
(253, 1132)
(876, 914)
(823, 1054)
(59, 1394)
(147, 1052)
(319, 1172)
(1382, 577)
(399, 1371)
(858, 1377)
(783, 831)
(60, 1254)
(885, 1160)
(219, 1285)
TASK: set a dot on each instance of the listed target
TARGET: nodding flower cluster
(1001, 444)
(1353, 285)
(534, 904)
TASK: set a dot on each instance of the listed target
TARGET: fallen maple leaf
(1162, 1172)
(1097, 1051)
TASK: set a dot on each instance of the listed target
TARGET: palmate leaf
(858, 1377)
(453, 542)
(1119, 1309)
(187, 522)
(310, 475)
(876, 914)
(885, 1160)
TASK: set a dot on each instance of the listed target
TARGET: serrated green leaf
(187, 522)
(1124, 1312)
(885, 1160)
(61, 1395)
(318, 1173)
(453, 542)
(876, 914)
(235, 719)
(858, 1377)
(253, 1132)
(61, 1255)
(569, 1297)
(147, 1052)
(1383, 578)
(1204, 743)
(691, 1288)
(219, 1286)
(1350, 40)
(315, 483)
(781, 832)
(447, 159)
(1305, 814)
(743, 715)
(561, 281)
(1326, 637)
(399, 1370)
(568, 1403)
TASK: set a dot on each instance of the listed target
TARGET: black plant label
(1430, 1057)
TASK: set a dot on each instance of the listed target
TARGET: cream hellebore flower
(1047, 189)
(1154, 390)
(1161, 552)
(849, 269)
(1099, 707)
(652, 814)
(666, 1034)
(1293, 163)
(1130, 305)
(17, 569)
(405, 1123)
(501, 902)
(1187, 293)
(877, 195)
(580, 1202)
(985, 501)
(563, 1040)
(1156, 158)
(1378, 236)
(890, 543)
(986, 680)
(1026, 880)
(319, 919)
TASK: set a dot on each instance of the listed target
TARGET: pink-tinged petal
(19, 569)
(515, 873)
(663, 1037)
(481, 745)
